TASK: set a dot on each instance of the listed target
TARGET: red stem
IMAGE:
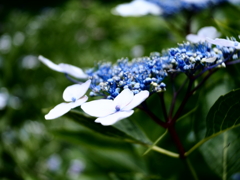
(161, 95)
(145, 108)
(174, 135)
(179, 111)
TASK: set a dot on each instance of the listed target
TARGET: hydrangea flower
(112, 111)
(126, 84)
(74, 96)
(224, 42)
(163, 7)
(148, 73)
(64, 68)
(204, 32)
(137, 8)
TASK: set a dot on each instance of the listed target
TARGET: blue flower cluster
(175, 6)
(147, 73)
(189, 57)
(140, 74)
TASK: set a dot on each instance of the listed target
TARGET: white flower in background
(30, 62)
(137, 8)
(74, 96)
(64, 68)
(224, 42)
(111, 111)
(54, 162)
(4, 96)
(76, 168)
(236, 2)
(202, 34)
(5, 43)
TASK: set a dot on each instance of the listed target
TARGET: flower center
(73, 99)
(117, 108)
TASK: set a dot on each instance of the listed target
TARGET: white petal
(194, 38)
(137, 8)
(50, 64)
(99, 108)
(59, 110)
(138, 99)
(111, 119)
(224, 42)
(124, 98)
(208, 31)
(73, 71)
(76, 91)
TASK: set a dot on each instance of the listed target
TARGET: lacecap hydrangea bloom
(148, 73)
(126, 84)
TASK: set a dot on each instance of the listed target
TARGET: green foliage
(222, 153)
(126, 130)
(224, 114)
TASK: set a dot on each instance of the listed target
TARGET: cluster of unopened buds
(126, 84)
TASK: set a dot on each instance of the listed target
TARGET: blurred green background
(82, 33)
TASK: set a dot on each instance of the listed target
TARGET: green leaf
(90, 139)
(115, 154)
(224, 114)
(222, 153)
(131, 129)
(126, 131)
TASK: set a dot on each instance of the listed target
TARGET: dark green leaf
(89, 139)
(131, 129)
(128, 133)
(224, 114)
(115, 154)
(222, 153)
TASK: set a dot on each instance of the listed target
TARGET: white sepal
(58, 111)
(73, 71)
(208, 31)
(63, 108)
(124, 98)
(99, 108)
(224, 42)
(111, 111)
(203, 33)
(111, 119)
(194, 38)
(64, 68)
(137, 100)
(74, 92)
(50, 64)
